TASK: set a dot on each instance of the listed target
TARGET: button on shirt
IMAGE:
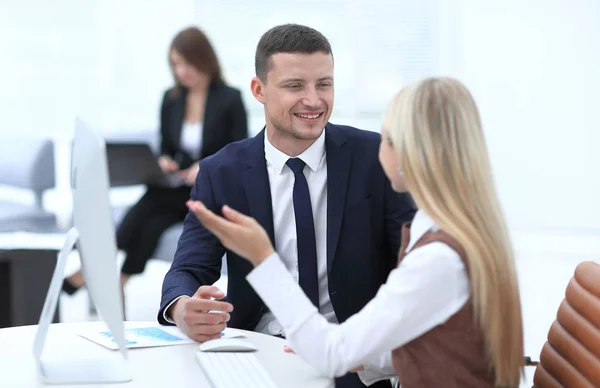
(281, 182)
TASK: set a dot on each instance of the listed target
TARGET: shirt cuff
(277, 288)
(381, 369)
(165, 316)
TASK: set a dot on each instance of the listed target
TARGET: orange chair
(571, 356)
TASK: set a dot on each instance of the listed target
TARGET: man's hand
(167, 164)
(237, 232)
(200, 317)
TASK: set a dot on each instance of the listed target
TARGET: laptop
(135, 164)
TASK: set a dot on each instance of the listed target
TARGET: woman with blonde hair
(449, 315)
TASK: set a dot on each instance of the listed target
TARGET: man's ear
(257, 88)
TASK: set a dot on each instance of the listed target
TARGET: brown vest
(449, 355)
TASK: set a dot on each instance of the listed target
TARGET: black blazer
(224, 122)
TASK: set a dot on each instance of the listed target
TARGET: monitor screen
(92, 219)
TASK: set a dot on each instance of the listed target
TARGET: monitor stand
(112, 368)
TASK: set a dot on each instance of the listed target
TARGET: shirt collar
(312, 156)
(420, 225)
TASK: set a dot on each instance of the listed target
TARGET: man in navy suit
(317, 189)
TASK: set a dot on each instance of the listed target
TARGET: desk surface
(169, 366)
(31, 241)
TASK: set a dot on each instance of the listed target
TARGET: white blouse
(425, 290)
(191, 138)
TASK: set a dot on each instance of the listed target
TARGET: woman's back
(453, 352)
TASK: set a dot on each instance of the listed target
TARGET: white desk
(169, 366)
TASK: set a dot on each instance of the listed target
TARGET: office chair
(571, 356)
(27, 163)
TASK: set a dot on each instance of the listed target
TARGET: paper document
(150, 336)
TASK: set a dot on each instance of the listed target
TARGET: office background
(532, 66)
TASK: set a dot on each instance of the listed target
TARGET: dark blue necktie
(305, 233)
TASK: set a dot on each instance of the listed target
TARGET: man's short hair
(287, 38)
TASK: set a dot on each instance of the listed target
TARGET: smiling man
(318, 190)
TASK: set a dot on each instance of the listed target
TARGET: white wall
(533, 67)
(377, 47)
(103, 59)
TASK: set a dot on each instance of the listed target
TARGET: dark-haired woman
(199, 115)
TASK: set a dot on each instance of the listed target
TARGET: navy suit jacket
(364, 219)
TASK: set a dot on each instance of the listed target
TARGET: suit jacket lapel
(211, 112)
(178, 117)
(338, 172)
(256, 184)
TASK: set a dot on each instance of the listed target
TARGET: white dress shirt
(425, 290)
(281, 182)
(191, 138)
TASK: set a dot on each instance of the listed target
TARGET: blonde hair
(436, 130)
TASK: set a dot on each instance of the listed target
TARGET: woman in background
(449, 315)
(198, 116)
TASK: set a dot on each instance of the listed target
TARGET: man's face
(298, 94)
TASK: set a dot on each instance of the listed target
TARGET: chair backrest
(27, 163)
(571, 356)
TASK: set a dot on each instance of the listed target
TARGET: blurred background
(533, 67)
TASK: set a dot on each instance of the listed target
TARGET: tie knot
(296, 165)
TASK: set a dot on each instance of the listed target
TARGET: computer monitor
(94, 234)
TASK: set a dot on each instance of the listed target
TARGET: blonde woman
(449, 315)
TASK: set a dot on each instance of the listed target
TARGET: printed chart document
(148, 336)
